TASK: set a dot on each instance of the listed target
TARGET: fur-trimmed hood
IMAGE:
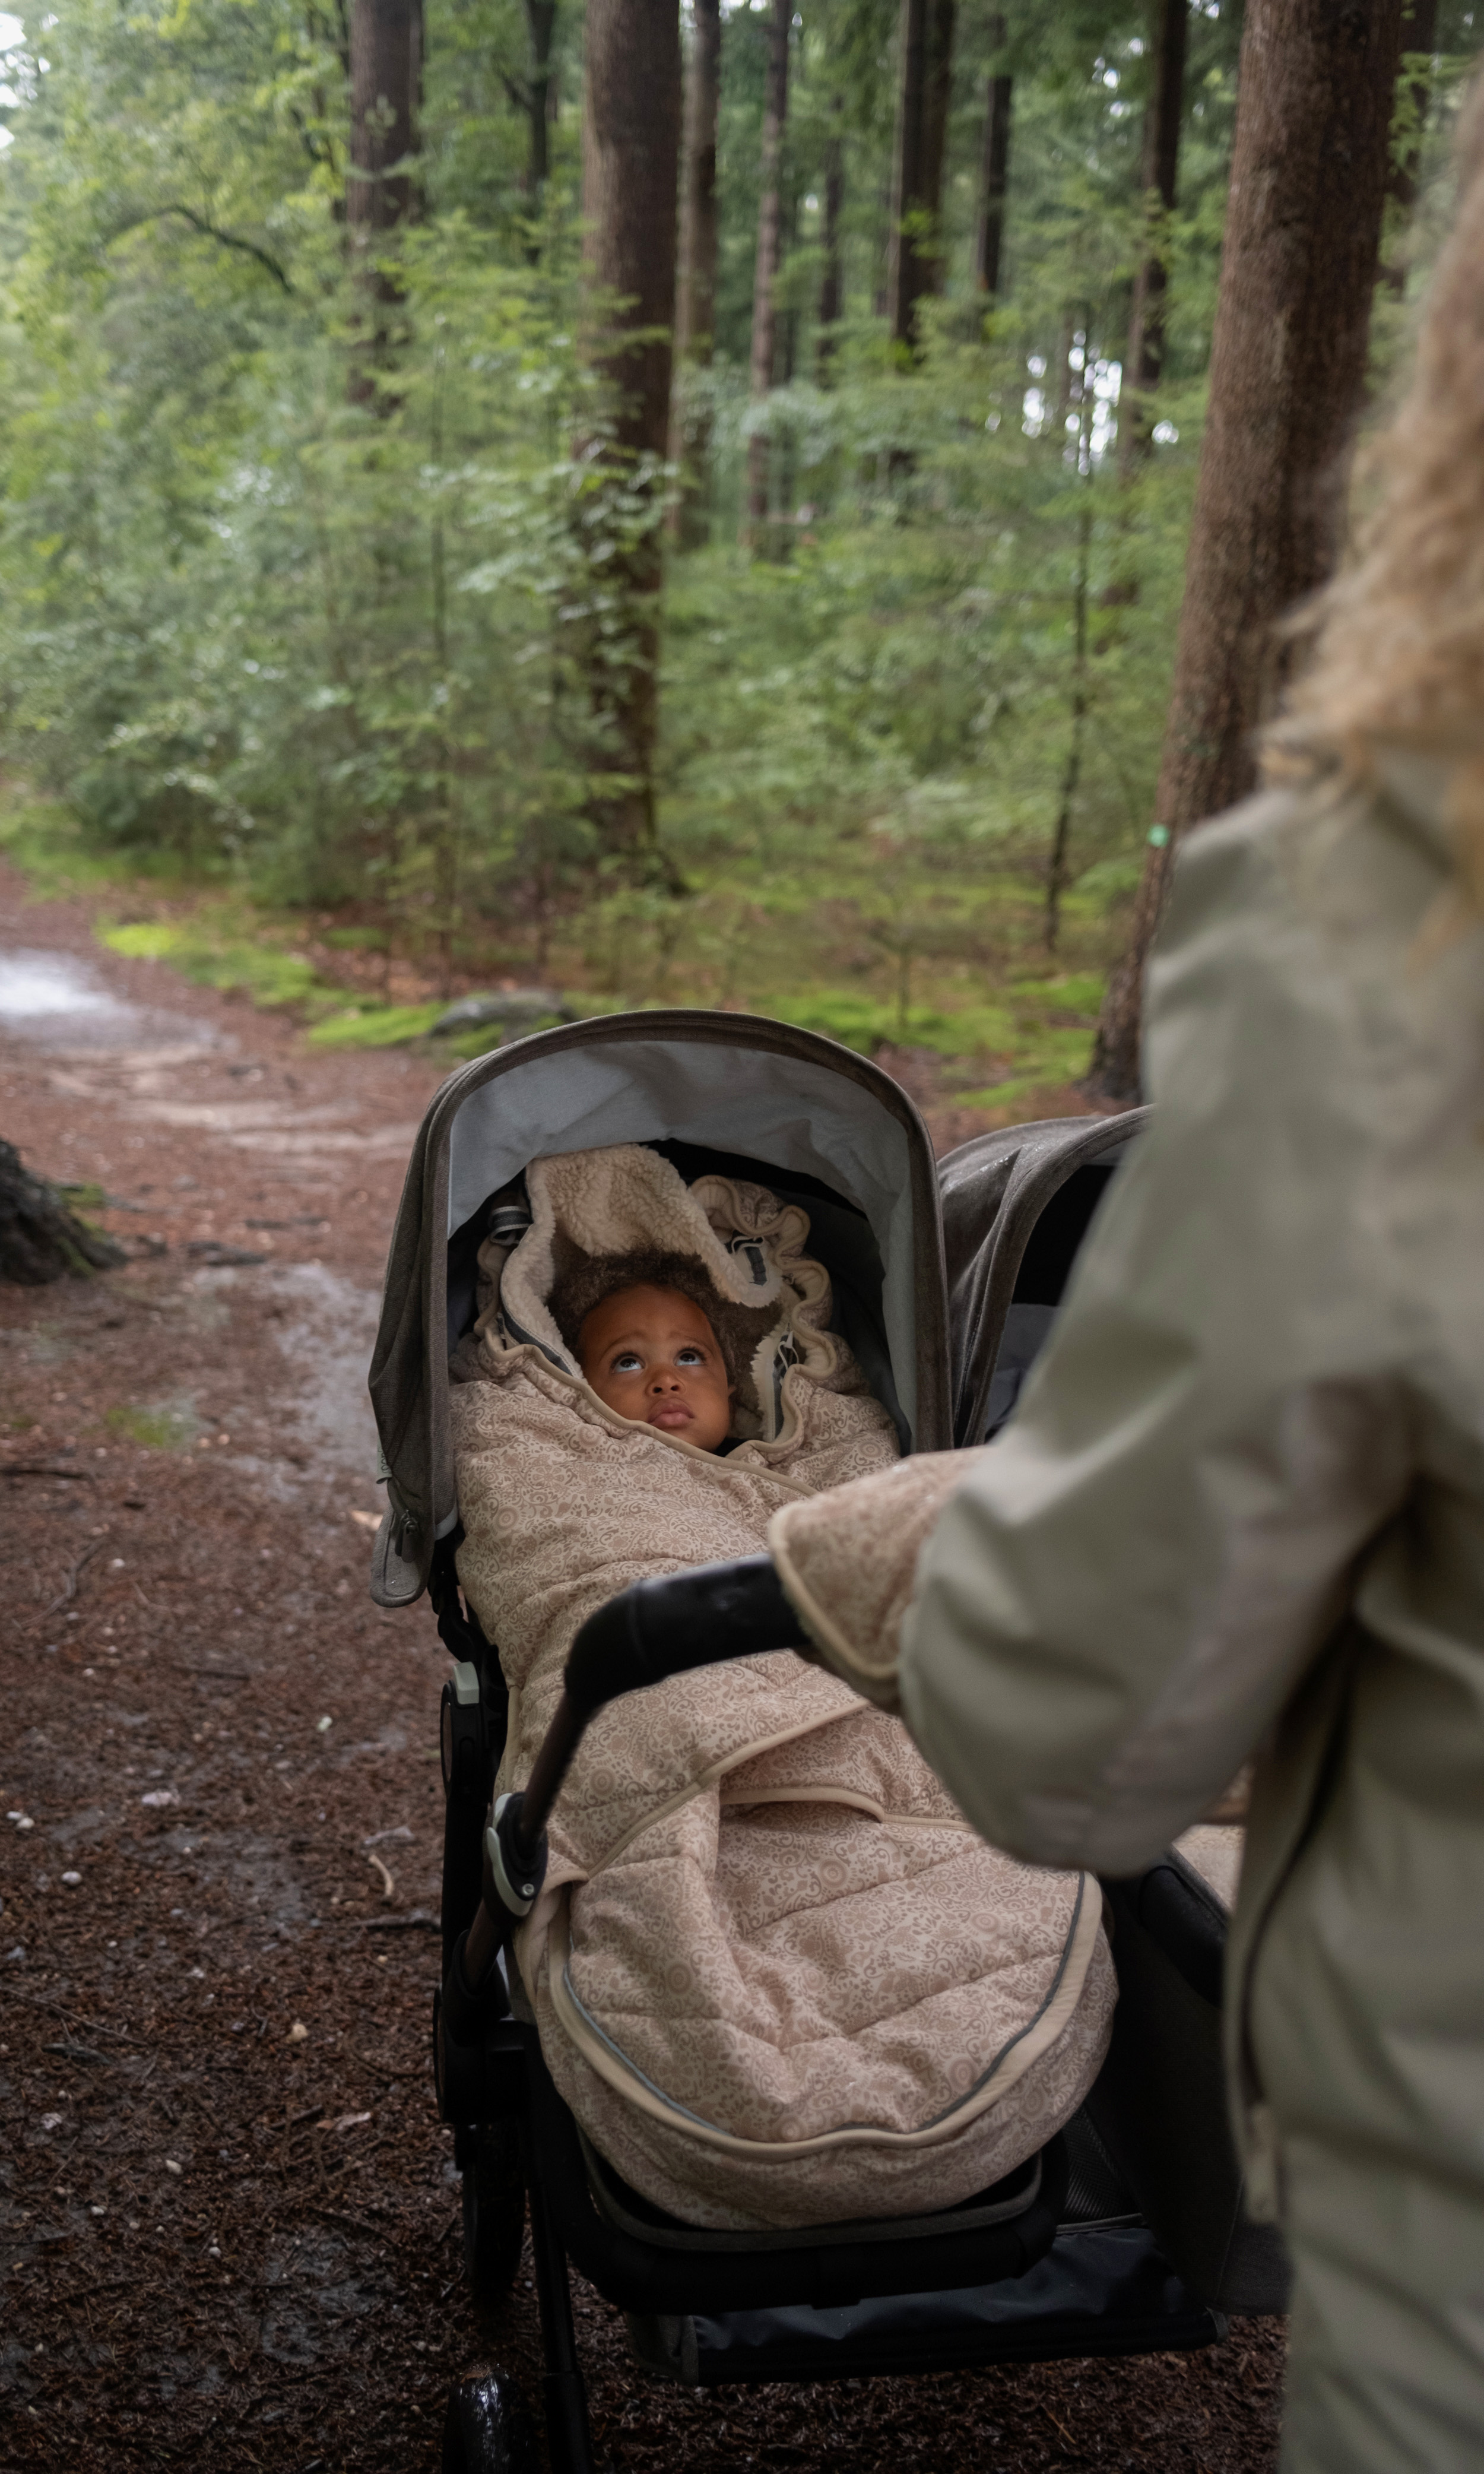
(773, 1300)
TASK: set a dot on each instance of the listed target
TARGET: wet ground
(230, 2216)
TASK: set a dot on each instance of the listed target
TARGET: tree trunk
(41, 1239)
(925, 80)
(630, 171)
(541, 23)
(1144, 358)
(832, 280)
(1419, 43)
(1315, 87)
(989, 236)
(387, 89)
(696, 302)
(764, 308)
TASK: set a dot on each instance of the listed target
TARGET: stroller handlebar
(696, 1617)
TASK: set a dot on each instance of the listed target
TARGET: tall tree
(696, 300)
(924, 87)
(536, 94)
(1144, 358)
(630, 176)
(831, 304)
(764, 284)
(1310, 156)
(994, 169)
(386, 82)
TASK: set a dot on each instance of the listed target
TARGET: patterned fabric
(777, 1978)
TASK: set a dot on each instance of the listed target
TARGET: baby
(649, 1350)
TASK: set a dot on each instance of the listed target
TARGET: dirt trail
(229, 2214)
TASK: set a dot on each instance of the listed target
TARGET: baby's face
(651, 1354)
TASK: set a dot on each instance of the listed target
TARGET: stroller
(1127, 2233)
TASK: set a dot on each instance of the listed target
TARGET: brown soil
(231, 2215)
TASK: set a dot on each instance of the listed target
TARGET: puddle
(60, 1002)
(328, 1344)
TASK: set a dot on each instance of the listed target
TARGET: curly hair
(578, 1290)
(1398, 635)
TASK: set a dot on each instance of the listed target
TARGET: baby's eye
(627, 1361)
(690, 1357)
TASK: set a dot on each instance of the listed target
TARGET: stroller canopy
(807, 1117)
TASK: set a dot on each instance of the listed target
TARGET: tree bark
(630, 171)
(1315, 87)
(764, 308)
(994, 177)
(1144, 358)
(696, 300)
(925, 82)
(41, 1239)
(386, 82)
(832, 280)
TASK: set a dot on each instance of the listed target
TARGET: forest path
(226, 2238)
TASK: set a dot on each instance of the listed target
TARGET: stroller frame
(1126, 2234)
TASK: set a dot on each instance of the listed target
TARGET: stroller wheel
(494, 2207)
(486, 2429)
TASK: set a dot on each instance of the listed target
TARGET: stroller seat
(1125, 2232)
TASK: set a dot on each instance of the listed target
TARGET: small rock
(72, 1880)
(22, 1820)
(171, 2167)
(299, 2033)
(323, 1726)
(517, 1011)
(159, 1797)
(51, 2120)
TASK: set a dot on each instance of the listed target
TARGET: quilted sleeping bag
(777, 1978)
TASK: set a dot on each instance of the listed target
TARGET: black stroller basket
(1125, 2234)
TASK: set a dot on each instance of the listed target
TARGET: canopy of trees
(364, 542)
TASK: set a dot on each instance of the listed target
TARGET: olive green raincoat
(1241, 1509)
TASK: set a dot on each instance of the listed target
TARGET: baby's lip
(672, 1413)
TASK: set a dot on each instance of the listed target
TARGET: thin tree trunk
(1315, 87)
(1144, 358)
(994, 177)
(1419, 43)
(630, 171)
(832, 280)
(1062, 834)
(696, 300)
(541, 22)
(764, 306)
(386, 78)
(925, 82)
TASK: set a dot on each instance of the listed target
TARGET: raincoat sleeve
(1116, 1599)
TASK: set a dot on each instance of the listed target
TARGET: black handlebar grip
(666, 1627)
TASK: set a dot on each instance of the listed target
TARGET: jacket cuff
(848, 1559)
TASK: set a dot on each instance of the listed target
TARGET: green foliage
(296, 594)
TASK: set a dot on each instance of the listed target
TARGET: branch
(209, 232)
(518, 94)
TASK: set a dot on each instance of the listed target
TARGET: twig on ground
(41, 1468)
(417, 1921)
(390, 2069)
(70, 1582)
(388, 1885)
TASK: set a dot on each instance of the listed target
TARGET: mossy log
(41, 1239)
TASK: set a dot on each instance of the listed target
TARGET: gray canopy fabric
(735, 1084)
(995, 1190)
